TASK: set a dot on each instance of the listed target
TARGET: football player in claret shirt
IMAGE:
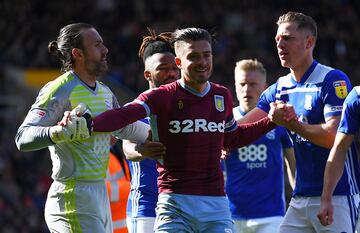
(193, 118)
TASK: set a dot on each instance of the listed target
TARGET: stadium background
(244, 29)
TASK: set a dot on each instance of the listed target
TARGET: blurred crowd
(243, 29)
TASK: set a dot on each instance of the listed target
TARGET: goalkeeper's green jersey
(85, 160)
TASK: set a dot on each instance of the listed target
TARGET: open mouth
(247, 98)
(201, 69)
(282, 54)
(104, 59)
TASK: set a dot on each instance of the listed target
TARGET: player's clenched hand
(66, 118)
(75, 125)
(326, 213)
(289, 114)
(282, 113)
(151, 150)
(76, 128)
(80, 110)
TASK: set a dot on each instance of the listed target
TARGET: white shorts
(140, 224)
(78, 207)
(301, 216)
(258, 225)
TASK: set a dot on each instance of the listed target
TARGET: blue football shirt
(350, 120)
(254, 175)
(319, 94)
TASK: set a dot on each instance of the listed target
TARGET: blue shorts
(191, 213)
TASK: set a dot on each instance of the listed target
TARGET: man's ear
(310, 42)
(178, 62)
(147, 75)
(76, 53)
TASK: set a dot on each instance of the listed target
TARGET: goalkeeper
(77, 200)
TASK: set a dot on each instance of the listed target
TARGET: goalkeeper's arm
(30, 137)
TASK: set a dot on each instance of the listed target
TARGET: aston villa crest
(219, 103)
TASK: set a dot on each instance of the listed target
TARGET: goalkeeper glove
(81, 110)
(77, 128)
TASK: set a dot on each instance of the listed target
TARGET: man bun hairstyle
(69, 37)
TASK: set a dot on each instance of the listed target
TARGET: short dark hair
(69, 37)
(153, 44)
(193, 34)
(303, 21)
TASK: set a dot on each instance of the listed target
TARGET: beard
(96, 68)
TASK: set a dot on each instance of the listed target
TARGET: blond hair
(250, 65)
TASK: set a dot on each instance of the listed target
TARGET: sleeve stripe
(142, 103)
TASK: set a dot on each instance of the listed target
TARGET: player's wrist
(59, 134)
(77, 128)
(294, 125)
(326, 198)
